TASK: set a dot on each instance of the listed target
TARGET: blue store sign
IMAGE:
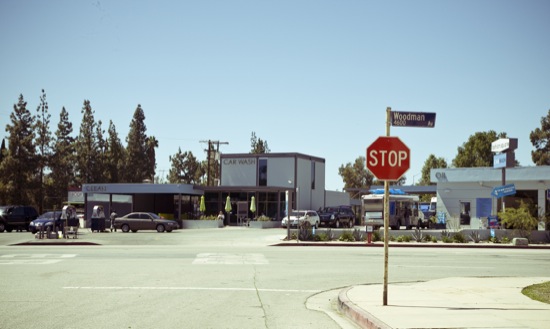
(501, 191)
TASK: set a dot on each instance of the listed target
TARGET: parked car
(16, 217)
(298, 216)
(136, 221)
(46, 220)
(339, 216)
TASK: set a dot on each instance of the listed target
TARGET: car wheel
(125, 228)
(2, 227)
(168, 231)
(33, 231)
(160, 228)
(134, 231)
(8, 229)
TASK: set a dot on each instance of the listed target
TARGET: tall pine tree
(18, 169)
(137, 164)
(86, 146)
(115, 156)
(63, 159)
(43, 147)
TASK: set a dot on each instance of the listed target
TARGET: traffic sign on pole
(413, 119)
(388, 158)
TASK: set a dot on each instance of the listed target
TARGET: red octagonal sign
(388, 158)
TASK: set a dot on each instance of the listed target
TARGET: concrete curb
(56, 243)
(412, 245)
(361, 317)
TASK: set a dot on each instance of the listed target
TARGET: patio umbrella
(253, 205)
(228, 205)
(202, 206)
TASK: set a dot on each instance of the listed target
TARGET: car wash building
(267, 178)
(471, 195)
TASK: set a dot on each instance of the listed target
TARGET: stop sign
(388, 158)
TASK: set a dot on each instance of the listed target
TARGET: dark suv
(16, 217)
(338, 216)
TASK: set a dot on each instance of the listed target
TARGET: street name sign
(413, 119)
(504, 190)
(388, 158)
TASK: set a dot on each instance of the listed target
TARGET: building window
(464, 213)
(262, 172)
(313, 175)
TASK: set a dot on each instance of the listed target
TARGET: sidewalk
(447, 303)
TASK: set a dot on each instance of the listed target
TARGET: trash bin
(98, 219)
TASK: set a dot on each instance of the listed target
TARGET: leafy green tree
(87, 160)
(431, 163)
(115, 156)
(43, 146)
(476, 152)
(151, 144)
(540, 138)
(63, 159)
(17, 170)
(356, 175)
(185, 169)
(137, 165)
(520, 219)
(258, 146)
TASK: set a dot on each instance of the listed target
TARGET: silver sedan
(136, 221)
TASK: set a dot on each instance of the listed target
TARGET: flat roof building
(467, 193)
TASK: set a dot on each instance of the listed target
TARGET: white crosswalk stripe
(230, 259)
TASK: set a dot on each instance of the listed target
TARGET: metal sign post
(388, 158)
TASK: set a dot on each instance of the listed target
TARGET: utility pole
(208, 156)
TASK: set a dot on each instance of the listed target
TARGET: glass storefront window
(262, 172)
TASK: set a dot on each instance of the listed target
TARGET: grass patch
(540, 292)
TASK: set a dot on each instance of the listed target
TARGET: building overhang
(137, 188)
(490, 175)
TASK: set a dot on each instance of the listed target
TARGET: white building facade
(467, 193)
(302, 175)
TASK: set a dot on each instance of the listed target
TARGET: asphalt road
(233, 277)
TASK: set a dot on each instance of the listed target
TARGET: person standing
(113, 217)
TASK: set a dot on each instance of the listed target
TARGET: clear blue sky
(313, 77)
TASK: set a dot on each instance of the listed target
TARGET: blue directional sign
(413, 119)
(504, 190)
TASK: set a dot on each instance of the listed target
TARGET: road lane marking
(33, 259)
(193, 288)
(39, 256)
(230, 259)
(441, 266)
(29, 261)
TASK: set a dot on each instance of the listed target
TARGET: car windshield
(298, 213)
(329, 209)
(154, 216)
(50, 215)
